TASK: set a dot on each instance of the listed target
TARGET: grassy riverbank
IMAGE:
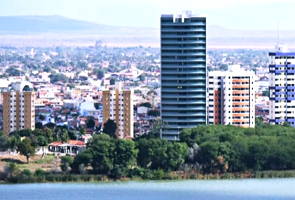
(46, 170)
(43, 177)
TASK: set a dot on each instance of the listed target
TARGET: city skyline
(229, 13)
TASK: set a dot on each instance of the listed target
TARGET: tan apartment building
(118, 106)
(18, 107)
(231, 97)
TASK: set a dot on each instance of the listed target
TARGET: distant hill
(42, 24)
(54, 30)
(59, 24)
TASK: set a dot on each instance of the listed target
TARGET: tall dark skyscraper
(183, 73)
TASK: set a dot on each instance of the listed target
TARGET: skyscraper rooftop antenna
(278, 33)
(280, 47)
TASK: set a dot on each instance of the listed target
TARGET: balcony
(183, 84)
(163, 35)
(180, 126)
(177, 47)
(196, 102)
(183, 54)
(183, 72)
(187, 108)
(184, 24)
(175, 30)
(183, 90)
(182, 96)
(184, 60)
(183, 78)
(184, 120)
(197, 66)
(183, 42)
(172, 114)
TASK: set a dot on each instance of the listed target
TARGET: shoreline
(91, 178)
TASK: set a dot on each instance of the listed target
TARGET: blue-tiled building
(183, 73)
(282, 87)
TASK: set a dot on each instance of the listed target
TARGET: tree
(4, 142)
(81, 161)
(99, 73)
(125, 155)
(61, 134)
(154, 113)
(223, 67)
(82, 64)
(155, 130)
(110, 128)
(102, 148)
(82, 131)
(66, 162)
(146, 104)
(97, 105)
(13, 142)
(48, 133)
(58, 77)
(112, 81)
(39, 125)
(90, 123)
(26, 148)
(193, 154)
(22, 133)
(141, 77)
(64, 136)
(176, 155)
(42, 117)
(259, 121)
(12, 169)
(13, 71)
(161, 154)
(42, 142)
(265, 93)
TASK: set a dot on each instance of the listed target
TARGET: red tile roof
(76, 142)
(55, 143)
(70, 142)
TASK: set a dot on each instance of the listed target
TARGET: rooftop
(184, 14)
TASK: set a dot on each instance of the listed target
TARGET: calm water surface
(266, 189)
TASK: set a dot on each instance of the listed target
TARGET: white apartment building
(231, 97)
(282, 87)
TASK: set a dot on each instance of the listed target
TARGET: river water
(251, 189)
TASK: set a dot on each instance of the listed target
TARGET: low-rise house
(72, 147)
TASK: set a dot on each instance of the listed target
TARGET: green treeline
(213, 149)
(118, 158)
(219, 149)
(202, 152)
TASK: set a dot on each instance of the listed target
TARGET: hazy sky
(240, 14)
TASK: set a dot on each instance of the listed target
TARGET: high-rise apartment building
(118, 106)
(18, 107)
(282, 87)
(183, 73)
(231, 97)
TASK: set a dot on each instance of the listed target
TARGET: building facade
(118, 106)
(18, 108)
(183, 73)
(282, 87)
(231, 97)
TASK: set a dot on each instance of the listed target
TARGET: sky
(235, 14)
